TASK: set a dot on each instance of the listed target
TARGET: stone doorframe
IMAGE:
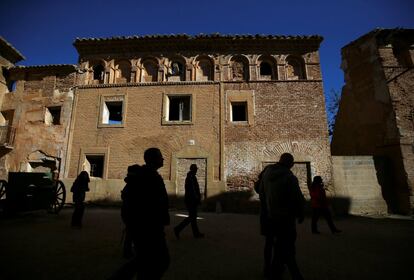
(190, 152)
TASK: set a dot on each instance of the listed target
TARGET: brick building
(231, 104)
(376, 112)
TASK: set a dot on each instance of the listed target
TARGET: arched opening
(98, 73)
(123, 73)
(149, 71)
(295, 69)
(204, 70)
(239, 69)
(267, 68)
(176, 71)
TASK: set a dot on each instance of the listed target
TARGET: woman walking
(319, 204)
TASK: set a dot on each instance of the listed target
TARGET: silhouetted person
(192, 199)
(145, 213)
(285, 205)
(319, 204)
(265, 228)
(79, 187)
(133, 171)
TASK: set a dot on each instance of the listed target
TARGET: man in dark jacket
(285, 204)
(145, 214)
(192, 199)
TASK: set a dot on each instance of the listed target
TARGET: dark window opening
(403, 56)
(97, 165)
(55, 112)
(98, 72)
(11, 85)
(176, 68)
(113, 112)
(265, 69)
(179, 108)
(239, 111)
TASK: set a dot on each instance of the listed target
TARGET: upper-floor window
(239, 69)
(239, 111)
(177, 109)
(112, 112)
(295, 68)
(52, 115)
(149, 71)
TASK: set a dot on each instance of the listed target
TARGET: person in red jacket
(319, 204)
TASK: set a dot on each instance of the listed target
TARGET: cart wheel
(3, 184)
(59, 197)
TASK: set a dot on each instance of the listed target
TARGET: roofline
(200, 43)
(16, 55)
(375, 32)
(200, 36)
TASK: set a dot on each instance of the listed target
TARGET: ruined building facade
(230, 104)
(376, 111)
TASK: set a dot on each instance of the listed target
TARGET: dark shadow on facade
(383, 167)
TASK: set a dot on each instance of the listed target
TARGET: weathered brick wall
(376, 112)
(288, 117)
(142, 127)
(31, 132)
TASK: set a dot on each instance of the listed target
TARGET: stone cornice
(192, 83)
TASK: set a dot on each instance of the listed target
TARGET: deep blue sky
(44, 30)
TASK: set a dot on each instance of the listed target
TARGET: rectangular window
(179, 108)
(95, 164)
(112, 112)
(54, 114)
(239, 111)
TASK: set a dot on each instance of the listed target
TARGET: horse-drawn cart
(28, 191)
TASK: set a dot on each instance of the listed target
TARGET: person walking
(145, 214)
(285, 205)
(79, 188)
(192, 199)
(265, 228)
(320, 206)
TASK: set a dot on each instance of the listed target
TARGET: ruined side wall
(365, 118)
(355, 179)
(32, 132)
(376, 116)
(143, 128)
(402, 93)
(288, 117)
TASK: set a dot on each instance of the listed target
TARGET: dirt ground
(38, 245)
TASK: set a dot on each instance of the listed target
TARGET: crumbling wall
(34, 132)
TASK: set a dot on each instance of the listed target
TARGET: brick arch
(295, 67)
(149, 68)
(123, 69)
(235, 70)
(301, 151)
(198, 71)
(171, 72)
(272, 63)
